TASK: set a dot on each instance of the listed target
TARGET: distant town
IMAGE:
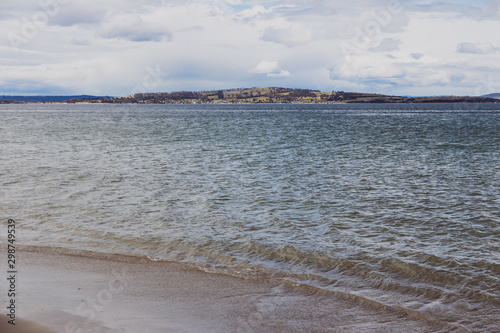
(250, 96)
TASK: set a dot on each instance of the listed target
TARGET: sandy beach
(75, 291)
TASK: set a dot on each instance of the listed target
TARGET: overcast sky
(120, 47)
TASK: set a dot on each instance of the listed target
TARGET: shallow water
(396, 205)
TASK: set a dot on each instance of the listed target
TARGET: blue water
(395, 205)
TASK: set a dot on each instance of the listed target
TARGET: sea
(394, 205)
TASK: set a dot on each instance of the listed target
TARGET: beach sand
(76, 291)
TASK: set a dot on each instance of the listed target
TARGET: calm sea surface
(397, 205)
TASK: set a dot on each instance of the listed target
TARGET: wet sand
(22, 326)
(74, 291)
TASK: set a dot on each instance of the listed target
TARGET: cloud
(387, 45)
(477, 48)
(489, 10)
(195, 28)
(134, 29)
(294, 36)
(80, 41)
(254, 13)
(271, 69)
(477, 10)
(72, 15)
(416, 56)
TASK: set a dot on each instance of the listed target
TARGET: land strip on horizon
(250, 96)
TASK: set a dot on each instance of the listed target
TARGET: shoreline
(256, 103)
(81, 291)
(263, 95)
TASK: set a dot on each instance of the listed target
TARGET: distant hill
(286, 95)
(251, 95)
(41, 99)
(497, 95)
(241, 95)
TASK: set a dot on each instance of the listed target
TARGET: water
(395, 205)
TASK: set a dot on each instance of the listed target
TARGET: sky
(122, 47)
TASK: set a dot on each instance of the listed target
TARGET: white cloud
(387, 45)
(252, 13)
(282, 73)
(133, 28)
(271, 69)
(294, 36)
(476, 9)
(70, 14)
(80, 41)
(477, 48)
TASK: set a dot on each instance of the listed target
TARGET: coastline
(78, 291)
(267, 95)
